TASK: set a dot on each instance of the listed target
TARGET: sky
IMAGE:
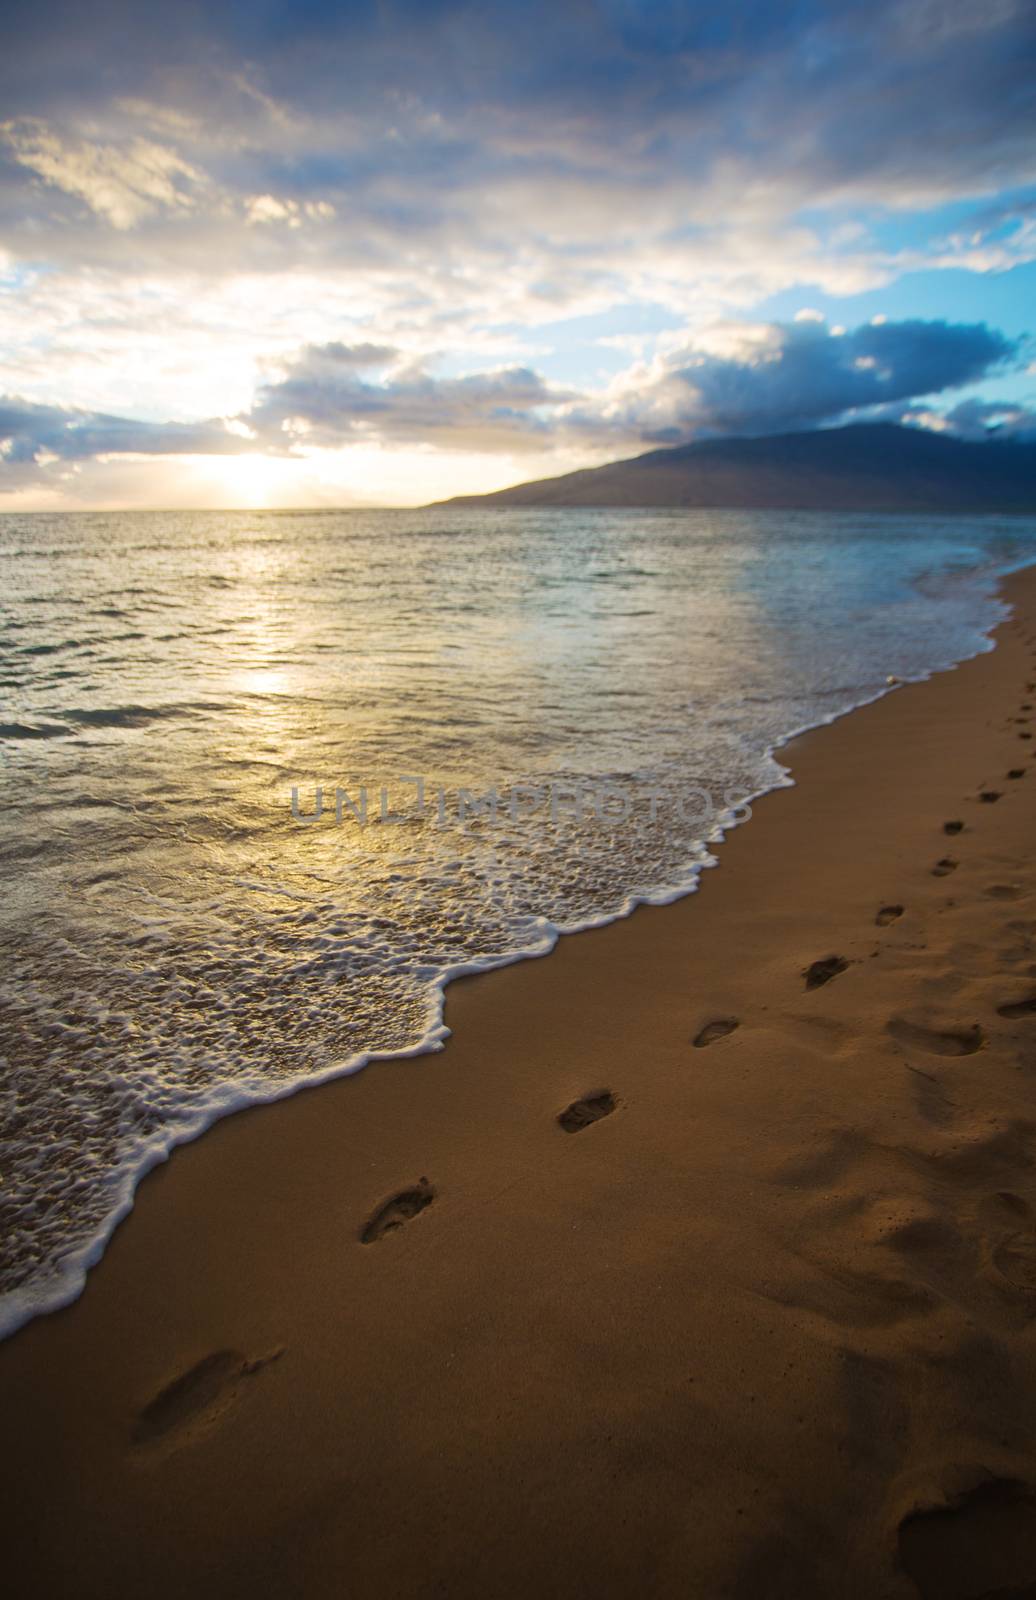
(256, 254)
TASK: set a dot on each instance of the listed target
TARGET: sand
(753, 1320)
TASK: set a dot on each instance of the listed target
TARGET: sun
(252, 482)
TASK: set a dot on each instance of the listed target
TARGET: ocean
(270, 779)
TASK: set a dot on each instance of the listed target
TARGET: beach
(753, 1319)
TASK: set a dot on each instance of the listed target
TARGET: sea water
(520, 722)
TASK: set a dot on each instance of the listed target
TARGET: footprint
(819, 1166)
(581, 1113)
(946, 865)
(821, 972)
(1018, 1008)
(198, 1395)
(1004, 891)
(1014, 1258)
(715, 1030)
(1014, 1204)
(392, 1213)
(934, 1104)
(990, 796)
(922, 1233)
(1016, 772)
(1025, 736)
(953, 827)
(937, 1042)
(888, 914)
(982, 1546)
(989, 1145)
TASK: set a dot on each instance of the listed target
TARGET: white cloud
(267, 208)
(121, 183)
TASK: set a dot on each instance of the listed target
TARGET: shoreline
(21, 1307)
(725, 1329)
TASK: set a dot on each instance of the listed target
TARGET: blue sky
(357, 254)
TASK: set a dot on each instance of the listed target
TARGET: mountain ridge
(875, 466)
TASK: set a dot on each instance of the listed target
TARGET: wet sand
(752, 1319)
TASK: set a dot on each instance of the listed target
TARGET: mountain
(864, 467)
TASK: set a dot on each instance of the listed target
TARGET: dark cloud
(985, 419)
(798, 375)
(29, 433)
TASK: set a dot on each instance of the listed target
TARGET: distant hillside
(865, 467)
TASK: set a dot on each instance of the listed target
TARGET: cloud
(744, 378)
(266, 208)
(730, 378)
(32, 433)
(733, 378)
(120, 184)
(981, 419)
(589, 137)
(329, 397)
